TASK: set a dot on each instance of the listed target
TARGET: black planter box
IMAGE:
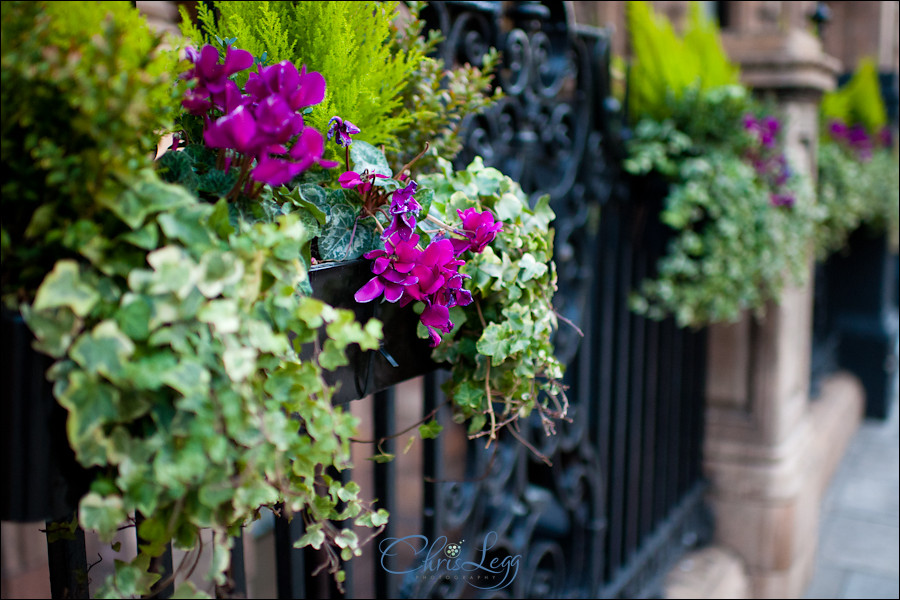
(41, 478)
(402, 356)
(862, 315)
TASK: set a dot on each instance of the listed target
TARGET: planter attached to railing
(402, 356)
(862, 312)
(41, 479)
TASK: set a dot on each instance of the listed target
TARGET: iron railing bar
(605, 346)
(290, 562)
(67, 560)
(617, 475)
(651, 399)
(385, 482)
(663, 430)
(674, 440)
(635, 416)
(689, 506)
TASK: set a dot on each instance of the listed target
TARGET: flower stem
(413, 161)
(440, 223)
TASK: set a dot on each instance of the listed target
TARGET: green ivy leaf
(430, 430)
(383, 457)
(102, 514)
(314, 537)
(64, 286)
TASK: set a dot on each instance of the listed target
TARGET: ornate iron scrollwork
(541, 134)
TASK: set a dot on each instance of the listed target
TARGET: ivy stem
(568, 322)
(490, 405)
(528, 445)
(399, 433)
(480, 316)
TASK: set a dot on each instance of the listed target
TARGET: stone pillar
(769, 450)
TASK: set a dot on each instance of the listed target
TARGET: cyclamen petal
(237, 60)
(311, 91)
(275, 171)
(393, 292)
(438, 316)
(381, 263)
(235, 130)
(371, 290)
(349, 179)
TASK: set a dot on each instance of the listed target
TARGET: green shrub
(79, 120)
(665, 65)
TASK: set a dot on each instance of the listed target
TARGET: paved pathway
(859, 536)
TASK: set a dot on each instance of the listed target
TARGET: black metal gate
(623, 497)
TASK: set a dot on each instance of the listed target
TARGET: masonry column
(769, 450)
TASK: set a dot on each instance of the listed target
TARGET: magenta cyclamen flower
(297, 89)
(352, 179)
(341, 131)
(212, 78)
(479, 228)
(393, 268)
(235, 130)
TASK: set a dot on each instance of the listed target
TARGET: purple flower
(297, 89)
(235, 130)
(782, 199)
(838, 130)
(212, 78)
(352, 179)
(860, 141)
(341, 131)
(765, 130)
(404, 209)
(479, 228)
(436, 317)
(276, 121)
(436, 267)
(306, 151)
(393, 268)
(886, 137)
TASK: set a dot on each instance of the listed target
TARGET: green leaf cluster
(178, 363)
(855, 192)
(858, 101)
(501, 352)
(732, 249)
(173, 315)
(665, 65)
(85, 91)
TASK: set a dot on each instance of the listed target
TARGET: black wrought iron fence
(621, 499)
